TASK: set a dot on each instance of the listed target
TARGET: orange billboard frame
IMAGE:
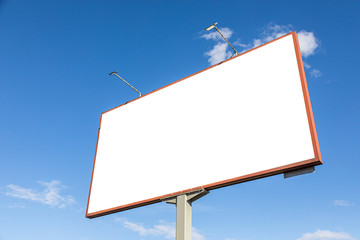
(317, 160)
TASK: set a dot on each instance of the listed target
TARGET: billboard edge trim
(212, 186)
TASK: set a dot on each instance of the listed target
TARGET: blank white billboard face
(246, 118)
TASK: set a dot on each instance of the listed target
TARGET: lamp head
(210, 27)
(112, 73)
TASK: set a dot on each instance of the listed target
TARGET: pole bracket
(183, 202)
(191, 196)
(300, 171)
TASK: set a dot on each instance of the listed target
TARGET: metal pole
(115, 73)
(183, 218)
(226, 40)
(183, 211)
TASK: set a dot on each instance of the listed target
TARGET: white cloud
(196, 235)
(49, 196)
(221, 51)
(162, 229)
(306, 65)
(166, 230)
(270, 32)
(218, 53)
(315, 73)
(214, 35)
(342, 203)
(239, 43)
(17, 205)
(307, 40)
(308, 43)
(326, 235)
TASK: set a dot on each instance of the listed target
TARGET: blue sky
(55, 57)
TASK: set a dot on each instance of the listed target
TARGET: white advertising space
(240, 117)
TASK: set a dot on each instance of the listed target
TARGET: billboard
(242, 119)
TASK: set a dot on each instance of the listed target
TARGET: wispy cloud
(307, 40)
(162, 229)
(196, 235)
(315, 73)
(326, 235)
(306, 65)
(308, 43)
(17, 205)
(342, 203)
(166, 230)
(270, 32)
(214, 35)
(49, 196)
(220, 51)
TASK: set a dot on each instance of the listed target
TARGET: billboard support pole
(183, 212)
(183, 218)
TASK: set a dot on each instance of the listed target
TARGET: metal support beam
(214, 26)
(115, 73)
(299, 172)
(183, 218)
(183, 212)
(236, 53)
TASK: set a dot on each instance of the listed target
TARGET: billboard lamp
(214, 26)
(115, 73)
